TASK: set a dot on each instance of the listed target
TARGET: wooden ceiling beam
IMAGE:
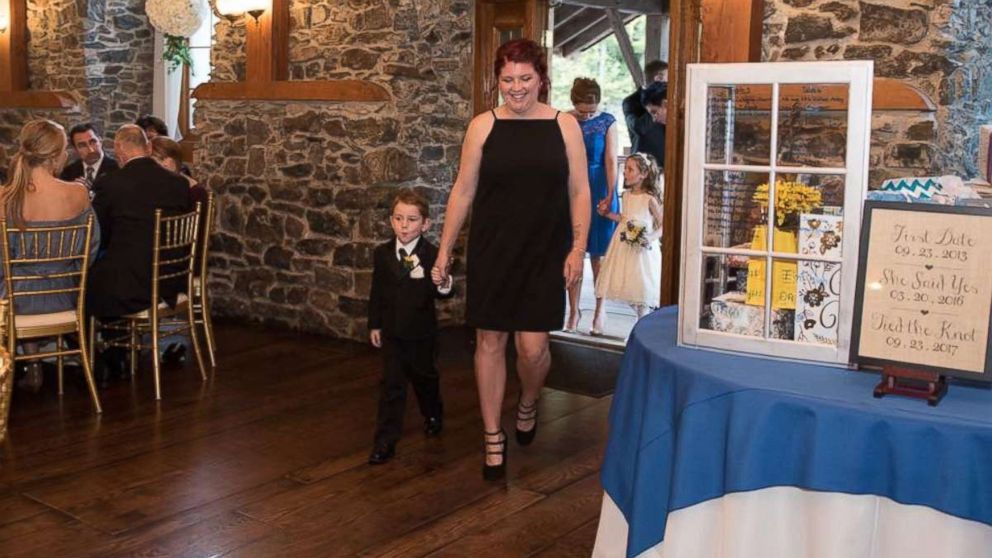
(634, 6)
(564, 14)
(578, 25)
(592, 36)
(626, 48)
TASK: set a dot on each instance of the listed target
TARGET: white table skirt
(789, 522)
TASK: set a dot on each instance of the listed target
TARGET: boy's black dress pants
(406, 360)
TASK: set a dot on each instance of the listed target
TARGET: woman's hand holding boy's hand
(375, 336)
(442, 265)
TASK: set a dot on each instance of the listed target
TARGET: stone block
(330, 223)
(809, 27)
(388, 165)
(893, 25)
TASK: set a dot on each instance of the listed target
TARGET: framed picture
(924, 289)
(776, 170)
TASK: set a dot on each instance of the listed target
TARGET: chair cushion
(144, 314)
(66, 318)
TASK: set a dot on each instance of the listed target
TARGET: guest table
(719, 455)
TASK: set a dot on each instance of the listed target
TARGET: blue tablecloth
(689, 425)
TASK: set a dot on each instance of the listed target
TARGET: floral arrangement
(791, 199)
(635, 233)
(177, 20)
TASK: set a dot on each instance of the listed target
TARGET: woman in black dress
(523, 175)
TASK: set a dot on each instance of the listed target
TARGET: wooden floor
(267, 458)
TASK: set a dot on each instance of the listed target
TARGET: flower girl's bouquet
(635, 233)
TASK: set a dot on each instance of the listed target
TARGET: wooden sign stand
(910, 382)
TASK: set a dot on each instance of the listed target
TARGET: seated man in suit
(125, 202)
(91, 162)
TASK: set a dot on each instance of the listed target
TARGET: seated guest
(153, 126)
(33, 197)
(91, 162)
(167, 153)
(125, 204)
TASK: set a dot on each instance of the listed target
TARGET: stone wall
(101, 51)
(940, 46)
(304, 188)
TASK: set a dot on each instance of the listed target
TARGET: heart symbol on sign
(928, 266)
(924, 312)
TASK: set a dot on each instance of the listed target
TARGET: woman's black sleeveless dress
(521, 229)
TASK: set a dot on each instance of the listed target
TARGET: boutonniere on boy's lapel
(411, 264)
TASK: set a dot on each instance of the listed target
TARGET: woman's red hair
(525, 51)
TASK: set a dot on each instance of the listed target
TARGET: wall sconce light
(231, 9)
(4, 23)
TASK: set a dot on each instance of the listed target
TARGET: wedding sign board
(924, 291)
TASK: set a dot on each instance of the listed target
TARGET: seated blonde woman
(32, 196)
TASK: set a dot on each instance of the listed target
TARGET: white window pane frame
(857, 76)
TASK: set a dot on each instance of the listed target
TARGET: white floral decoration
(179, 18)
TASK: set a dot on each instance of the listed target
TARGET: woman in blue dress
(599, 131)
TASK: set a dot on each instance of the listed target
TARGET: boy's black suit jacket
(401, 306)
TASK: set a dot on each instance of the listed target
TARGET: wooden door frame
(531, 15)
(683, 49)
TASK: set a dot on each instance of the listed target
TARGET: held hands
(573, 267)
(375, 336)
(440, 272)
(603, 207)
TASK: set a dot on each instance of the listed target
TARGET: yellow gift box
(783, 272)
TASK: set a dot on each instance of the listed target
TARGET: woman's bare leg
(490, 379)
(533, 364)
(599, 316)
(574, 312)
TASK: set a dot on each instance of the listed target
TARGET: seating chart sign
(924, 291)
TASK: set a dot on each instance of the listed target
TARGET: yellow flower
(790, 197)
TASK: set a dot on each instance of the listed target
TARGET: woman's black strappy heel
(494, 472)
(526, 413)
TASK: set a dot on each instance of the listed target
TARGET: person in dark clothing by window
(647, 135)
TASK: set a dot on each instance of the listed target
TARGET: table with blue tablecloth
(717, 454)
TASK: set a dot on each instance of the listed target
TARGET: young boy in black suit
(402, 321)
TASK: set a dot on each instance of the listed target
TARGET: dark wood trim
(13, 48)
(731, 30)
(892, 94)
(267, 44)
(345, 90)
(63, 100)
(683, 49)
(635, 6)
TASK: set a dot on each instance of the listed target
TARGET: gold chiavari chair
(201, 296)
(173, 258)
(66, 248)
(6, 372)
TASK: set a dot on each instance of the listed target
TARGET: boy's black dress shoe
(433, 425)
(382, 454)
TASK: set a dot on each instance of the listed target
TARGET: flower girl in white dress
(631, 270)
